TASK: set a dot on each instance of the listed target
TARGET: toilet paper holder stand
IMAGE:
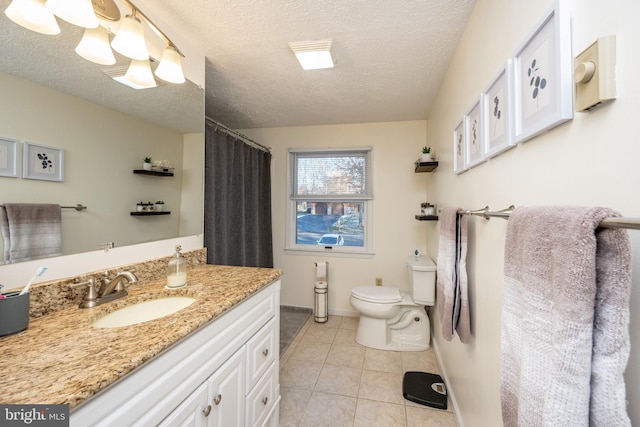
(321, 293)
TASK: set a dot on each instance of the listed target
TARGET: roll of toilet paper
(321, 284)
(321, 271)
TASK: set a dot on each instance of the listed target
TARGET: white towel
(30, 231)
(451, 290)
(565, 317)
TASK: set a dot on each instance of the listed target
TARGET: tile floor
(327, 379)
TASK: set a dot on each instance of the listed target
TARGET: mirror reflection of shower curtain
(237, 201)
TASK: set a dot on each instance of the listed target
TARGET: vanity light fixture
(132, 45)
(76, 12)
(314, 54)
(39, 16)
(33, 15)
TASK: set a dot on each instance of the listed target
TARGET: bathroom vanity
(212, 363)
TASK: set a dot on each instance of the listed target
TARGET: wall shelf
(154, 173)
(425, 166)
(426, 218)
(150, 213)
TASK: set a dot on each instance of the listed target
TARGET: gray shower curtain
(237, 201)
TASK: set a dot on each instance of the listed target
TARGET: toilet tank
(422, 279)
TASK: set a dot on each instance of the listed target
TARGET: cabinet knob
(265, 400)
(217, 399)
(207, 411)
(265, 352)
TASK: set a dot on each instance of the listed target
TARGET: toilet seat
(377, 294)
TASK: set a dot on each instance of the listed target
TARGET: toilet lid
(378, 294)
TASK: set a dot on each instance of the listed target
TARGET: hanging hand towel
(565, 318)
(451, 290)
(30, 231)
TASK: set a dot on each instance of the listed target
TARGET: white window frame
(291, 247)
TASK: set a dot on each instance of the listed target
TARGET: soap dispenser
(177, 270)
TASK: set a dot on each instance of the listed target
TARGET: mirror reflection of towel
(30, 231)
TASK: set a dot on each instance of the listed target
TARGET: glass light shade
(76, 12)
(129, 41)
(170, 67)
(33, 15)
(139, 73)
(95, 47)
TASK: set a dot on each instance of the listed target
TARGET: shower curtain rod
(612, 222)
(238, 135)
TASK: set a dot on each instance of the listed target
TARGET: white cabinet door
(192, 412)
(227, 392)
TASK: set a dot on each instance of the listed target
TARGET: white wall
(398, 192)
(592, 160)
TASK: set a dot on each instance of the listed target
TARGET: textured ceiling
(392, 56)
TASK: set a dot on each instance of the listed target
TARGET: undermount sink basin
(143, 312)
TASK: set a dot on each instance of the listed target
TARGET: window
(330, 200)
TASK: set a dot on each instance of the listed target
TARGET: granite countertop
(60, 358)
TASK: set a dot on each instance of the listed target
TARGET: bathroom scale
(425, 389)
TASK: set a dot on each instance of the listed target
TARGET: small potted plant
(159, 206)
(146, 163)
(426, 154)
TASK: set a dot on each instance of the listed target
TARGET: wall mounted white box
(595, 74)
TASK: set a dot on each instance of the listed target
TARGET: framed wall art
(498, 112)
(42, 162)
(8, 157)
(459, 148)
(475, 134)
(543, 75)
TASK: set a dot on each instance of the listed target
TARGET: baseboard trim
(332, 312)
(450, 391)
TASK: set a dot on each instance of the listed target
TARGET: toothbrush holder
(14, 313)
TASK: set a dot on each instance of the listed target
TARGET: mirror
(52, 97)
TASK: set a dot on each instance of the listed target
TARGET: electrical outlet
(378, 281)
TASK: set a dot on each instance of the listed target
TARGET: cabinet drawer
(262, 398)
(261, 352)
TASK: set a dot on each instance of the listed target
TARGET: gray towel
(451, 290)
(565, 319)
(30, 231)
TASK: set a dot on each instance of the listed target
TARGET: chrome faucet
(110, 289)
(115, 285)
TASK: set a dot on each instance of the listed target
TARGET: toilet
(391, 319)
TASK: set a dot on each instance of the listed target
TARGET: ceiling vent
(314, 54)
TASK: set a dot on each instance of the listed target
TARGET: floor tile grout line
(296, 342)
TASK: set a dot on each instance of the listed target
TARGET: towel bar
(76, 207)
(612, 222)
